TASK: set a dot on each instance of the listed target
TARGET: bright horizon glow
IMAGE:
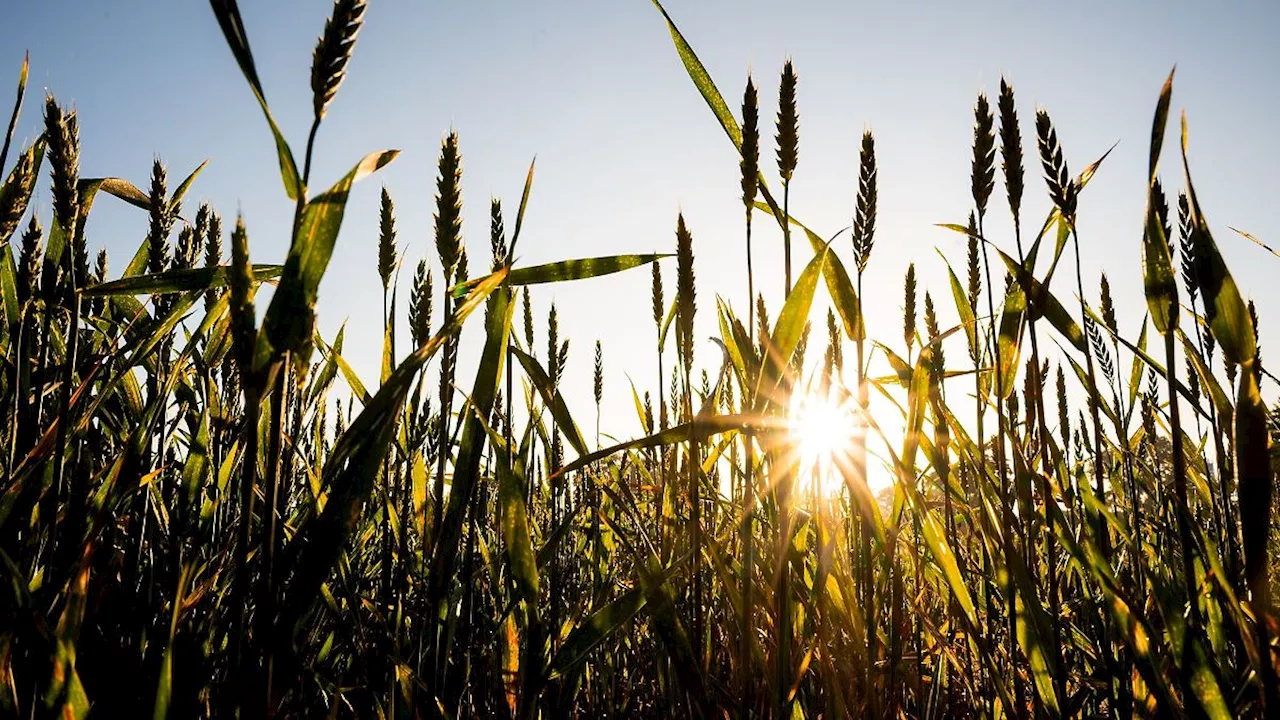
(824, 427)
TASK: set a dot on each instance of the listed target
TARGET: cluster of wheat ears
(196, 518)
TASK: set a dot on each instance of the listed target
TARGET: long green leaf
(176, 281)
(565, 270)
(553, 399)
(181, 191)
(228, 14)
(789, 328)
(702, 80)
(290, 318)
(586, 637)
(17, 108)
(1158, 279)
(1225, 309)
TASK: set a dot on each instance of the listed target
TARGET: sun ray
(823, 427)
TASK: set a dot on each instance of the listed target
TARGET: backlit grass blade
(1224, 307)
(8, 289)
(1010, 338)
(711, 94)
(181, 191)
(329, 370)
(176, 281)
(288, 323)
(1158, 278)
(702, 80)
(1253, 239)
(565, 270)
(120, 188)
(514, 522)
(1035, 636)
(553, 399)
(524, 203)
(667, 322)
(228, 14)
(960, 295)
(593, 631)
(1048, 306)
(788, 328)
(1221, 402)
(353, 465)
(17, 107)
(1255, 476)
(700, 428)
(86, 192)
(943, 555)
(334, 355)
(843, 294)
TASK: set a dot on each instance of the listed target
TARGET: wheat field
(205, 512)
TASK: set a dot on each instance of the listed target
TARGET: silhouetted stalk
(750, 172)
(979, 398)
(1180, 493)
(17, 110)
(1204, 344)
(750, 177)
(747, 533)
(273, 540)
(1013, 169)
(686, 307)
(981, 185)
(1035, 401)
(244, 333)
(448, 232)
(788, 142)
(942, 467)
(655, 296)
(62, 132)
(863, 238)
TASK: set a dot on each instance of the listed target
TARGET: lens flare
(822, 427)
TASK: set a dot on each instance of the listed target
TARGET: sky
(595, 90)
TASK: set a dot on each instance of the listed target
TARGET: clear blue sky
(623, 141)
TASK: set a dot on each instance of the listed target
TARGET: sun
(823, 427)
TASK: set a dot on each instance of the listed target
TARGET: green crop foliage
(205, 512)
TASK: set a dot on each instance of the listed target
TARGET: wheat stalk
(909, 308)
(1010, 149)
(982, 176)
(1062, 189)
(864, 222)
(333, 52)
(161, 220)
(448, 216)
(498, 235)
(788, 153)
(29, 262)
(749, 168)
(15, 194)
(420, 299)
(386, 240)
(686, 298)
